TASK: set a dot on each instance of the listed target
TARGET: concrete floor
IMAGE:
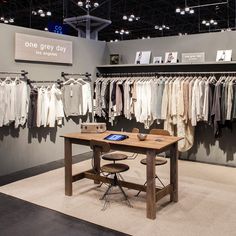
(207, 200)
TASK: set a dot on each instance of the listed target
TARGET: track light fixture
(41, 12)
(131, 18)
(122, 32)
(7, 20)
(162, 27)
(183, 11)
(88, 4)
(209, 22)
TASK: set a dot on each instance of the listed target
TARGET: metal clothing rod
(44, 81)
(23, 73)
(162, 73)
(63, 74)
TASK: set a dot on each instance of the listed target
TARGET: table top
(149, 143)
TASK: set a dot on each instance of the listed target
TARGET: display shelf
(172, 67)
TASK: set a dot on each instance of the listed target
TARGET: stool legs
(115, 182)
(156, 177)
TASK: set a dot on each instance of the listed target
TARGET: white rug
(207, 200)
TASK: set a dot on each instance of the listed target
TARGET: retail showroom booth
(135, 137)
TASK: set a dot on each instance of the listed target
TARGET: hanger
(70, 81)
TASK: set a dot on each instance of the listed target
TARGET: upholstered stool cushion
(114, 156)
(114, 168)
(158, 161)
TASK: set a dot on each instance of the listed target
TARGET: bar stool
(116, 156)
(159, 161)
(111, 169)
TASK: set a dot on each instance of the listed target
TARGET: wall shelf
(173, 67)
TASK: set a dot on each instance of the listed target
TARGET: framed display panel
(143, 57)
(171, 57)
(224, 55)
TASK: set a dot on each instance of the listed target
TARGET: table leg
(97, 162)
(68, 167)
(151, 194)
(174, 172)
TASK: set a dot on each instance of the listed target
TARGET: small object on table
(93, 127)
(141, 137)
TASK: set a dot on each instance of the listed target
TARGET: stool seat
(158, 161)
(114, 156)
(114, 168)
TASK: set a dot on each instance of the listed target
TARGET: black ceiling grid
(151, 12)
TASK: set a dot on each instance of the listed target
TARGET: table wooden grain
(153, 145)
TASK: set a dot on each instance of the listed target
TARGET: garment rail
(87, 75)
(22, 73)
(143, 74)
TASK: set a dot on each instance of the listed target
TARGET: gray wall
(206, 147)
(208, 43)
(23, 148)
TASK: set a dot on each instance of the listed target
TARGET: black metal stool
(111, 169)
(159, 161)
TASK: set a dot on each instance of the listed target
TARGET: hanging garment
(32, 113)
(72, 99)
(56, 109)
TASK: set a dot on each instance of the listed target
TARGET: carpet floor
(206, 206)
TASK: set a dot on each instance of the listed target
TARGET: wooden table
(150, 147)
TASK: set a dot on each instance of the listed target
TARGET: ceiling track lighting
(186, 10)
(7, 20)
(122, 32)
(42, 13)
(88, 4)
(209, 22)
(131, 18)
(162, 27)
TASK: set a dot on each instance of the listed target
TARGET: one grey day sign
(41, 49)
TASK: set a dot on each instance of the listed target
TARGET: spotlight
(203, 22)
(215, 23)
(132, 16)
(130, 19)
(40, 11)
(156, 27)
(207, 23)
(212, 21)
(6, 21)
(191, 11)
(137, 18)
(2, 18)
(42, 14)
(125, 17)
(187, 9)
(127, 32)
(182, 13)
(117, 32)
(96, 4)
(160, 28)
(11, 20)
(34, 13)
(177, 10)
(46, 29)
(49, 13)
(80, 3)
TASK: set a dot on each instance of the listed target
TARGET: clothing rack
(87, 75)
(142, 74)
(22, 73)
(45, 81)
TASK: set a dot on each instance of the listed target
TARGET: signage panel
(41, 49)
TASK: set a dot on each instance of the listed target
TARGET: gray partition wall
(23, 148)
(206, 147)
